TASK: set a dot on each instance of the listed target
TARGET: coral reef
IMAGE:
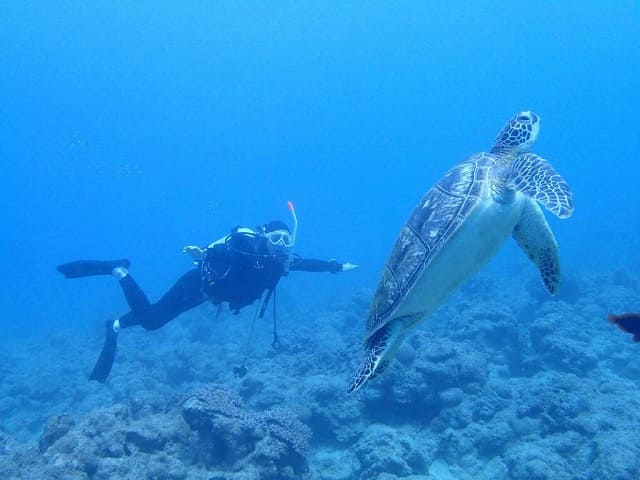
(501, 383)
(274, 441)
(211, 434)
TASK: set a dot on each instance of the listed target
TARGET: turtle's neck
(504, 155)
(502, 175)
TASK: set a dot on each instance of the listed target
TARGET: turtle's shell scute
(434, 220)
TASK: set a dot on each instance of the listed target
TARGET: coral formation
(501, 383)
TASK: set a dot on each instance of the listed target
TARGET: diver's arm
(221, 253)
(196, 253)
(216, 253)
(312, 265)
(233, 253)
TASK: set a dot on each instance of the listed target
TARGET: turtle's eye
(523, 118)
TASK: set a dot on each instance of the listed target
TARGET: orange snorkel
(295, 221)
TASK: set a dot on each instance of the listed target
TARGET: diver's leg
(136, 298)
(185, 294)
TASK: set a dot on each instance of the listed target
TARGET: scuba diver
(236, 269)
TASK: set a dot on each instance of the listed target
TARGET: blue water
(133, 129)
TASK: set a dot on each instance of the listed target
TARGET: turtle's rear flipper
(105, 361)
(88, 268)
(366, 369)
(536, 178)
(536, 240)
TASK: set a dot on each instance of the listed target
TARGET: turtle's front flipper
(536, 178)
(536, 239)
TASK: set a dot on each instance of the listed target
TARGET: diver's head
(280, 239)
(278, 236)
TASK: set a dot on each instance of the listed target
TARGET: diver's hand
(349, 266)
(341, 267)
(195, 252)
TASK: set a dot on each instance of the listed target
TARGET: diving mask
(282, 237)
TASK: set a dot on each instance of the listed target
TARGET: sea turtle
(457, 227)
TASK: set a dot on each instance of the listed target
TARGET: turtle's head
(519, 133)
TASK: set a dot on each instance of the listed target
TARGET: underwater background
(131, 129)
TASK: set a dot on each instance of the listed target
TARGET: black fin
(88, 268)
(107, 355)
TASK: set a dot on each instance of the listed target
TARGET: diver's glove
(349, 266)
(196, 253)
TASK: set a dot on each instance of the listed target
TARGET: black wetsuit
(237, 271)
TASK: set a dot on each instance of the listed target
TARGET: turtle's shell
(440, 213)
